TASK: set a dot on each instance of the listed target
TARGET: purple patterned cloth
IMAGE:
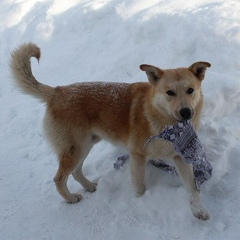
(156, 163)
(187, 145)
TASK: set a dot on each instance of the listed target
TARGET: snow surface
(107, 40)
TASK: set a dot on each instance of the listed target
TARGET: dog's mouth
(176, 118)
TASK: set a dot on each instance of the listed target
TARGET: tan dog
(81, 114)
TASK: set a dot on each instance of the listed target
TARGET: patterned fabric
(163, 166)
(187, 145)
(120, 161)
(157, 163)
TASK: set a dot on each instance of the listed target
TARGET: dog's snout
(185, 113)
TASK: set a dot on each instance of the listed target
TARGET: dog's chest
(160, 148)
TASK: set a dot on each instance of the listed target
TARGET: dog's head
(177, 92)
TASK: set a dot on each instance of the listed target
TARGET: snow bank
(103, 40)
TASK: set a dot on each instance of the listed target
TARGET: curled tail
(22, 72)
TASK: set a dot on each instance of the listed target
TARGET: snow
(105, 40)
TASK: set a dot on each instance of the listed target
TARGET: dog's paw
(140, 191)
(200, 213)
(75, 198)
(91, 187)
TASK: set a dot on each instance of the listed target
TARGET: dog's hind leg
(68, 161)
(78, 174)
(185, 172)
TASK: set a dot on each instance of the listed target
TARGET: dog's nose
(185, 113)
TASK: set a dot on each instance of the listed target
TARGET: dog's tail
(22, 72)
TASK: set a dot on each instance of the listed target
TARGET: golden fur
(81, 114)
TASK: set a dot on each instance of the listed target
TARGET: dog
(81, 114)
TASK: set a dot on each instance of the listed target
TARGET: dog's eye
(171, 93)
(190, 91)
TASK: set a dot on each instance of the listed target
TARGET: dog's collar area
(187, 145)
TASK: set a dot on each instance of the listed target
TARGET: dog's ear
(153, 73)
(199, 69)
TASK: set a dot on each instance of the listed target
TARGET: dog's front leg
(138, 164)
(185, 172)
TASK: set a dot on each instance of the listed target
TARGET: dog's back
(102, 108)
